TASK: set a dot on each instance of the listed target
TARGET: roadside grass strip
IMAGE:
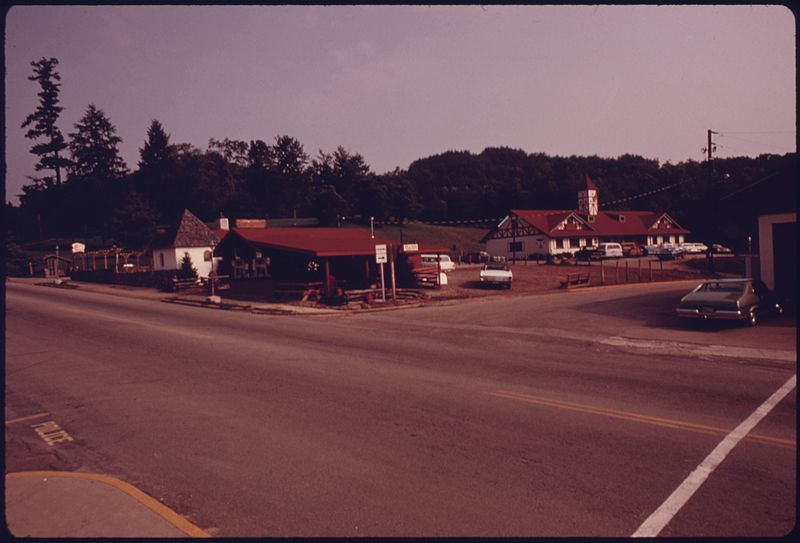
(635, 417)
(664, 514)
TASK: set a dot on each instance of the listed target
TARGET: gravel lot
(532, 278)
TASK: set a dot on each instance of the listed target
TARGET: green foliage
(719, 202)
(94, 148)
(42, 123)
(187, 269)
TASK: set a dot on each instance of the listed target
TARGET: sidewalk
(66, 504)
(201, 300)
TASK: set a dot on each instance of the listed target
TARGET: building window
(207, 256)
(574, 242)
(565, 243)
(515, 246)
(622, 218)
(161, 259)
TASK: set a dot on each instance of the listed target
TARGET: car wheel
(753, 318)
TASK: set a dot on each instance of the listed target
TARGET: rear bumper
(719, 314)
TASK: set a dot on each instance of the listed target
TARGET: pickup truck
(497, 274)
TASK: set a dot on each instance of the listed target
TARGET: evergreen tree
(42, 122)
(187, 270)
(157, 176)
(94, 148)
(95, 173)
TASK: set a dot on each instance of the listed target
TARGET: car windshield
(722, 287)
(495, 267)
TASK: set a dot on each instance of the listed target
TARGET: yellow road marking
(29, 417)
(140, 323)
(151, 503)
(625, 415)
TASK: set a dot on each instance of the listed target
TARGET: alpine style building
(527, 232)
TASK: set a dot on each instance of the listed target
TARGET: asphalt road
(572, 414)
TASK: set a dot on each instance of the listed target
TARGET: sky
(399, 83)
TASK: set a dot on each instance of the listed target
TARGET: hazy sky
(400, 83)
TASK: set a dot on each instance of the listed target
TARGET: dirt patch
(534, 278)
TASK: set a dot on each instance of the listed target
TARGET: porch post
(328, 286)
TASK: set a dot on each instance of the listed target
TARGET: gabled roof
(605, 223)
(188, 232)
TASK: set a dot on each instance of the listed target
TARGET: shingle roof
(318, 241)
(188, 232)
(606, 223)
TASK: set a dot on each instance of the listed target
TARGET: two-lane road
(572, 414)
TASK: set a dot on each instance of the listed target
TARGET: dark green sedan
(732, 299)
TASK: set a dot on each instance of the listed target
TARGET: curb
(149, 502)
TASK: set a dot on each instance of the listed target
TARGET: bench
(576, 280)
(183, 284)
(309, 290)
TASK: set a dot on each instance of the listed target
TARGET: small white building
(192, 236)
(777, 242)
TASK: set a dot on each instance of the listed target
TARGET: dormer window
(622, 218)
(590, 218)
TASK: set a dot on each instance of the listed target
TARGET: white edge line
(664, 514)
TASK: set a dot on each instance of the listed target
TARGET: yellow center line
(140, 323)
(29, 417)
(625, 415)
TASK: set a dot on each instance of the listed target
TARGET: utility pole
(711, 147)
(710, 190)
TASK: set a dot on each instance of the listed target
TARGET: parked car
(669, 251)
(446, 265)
(630, 249)
(649, 250)
(496, 274)
(717, 248)
(734, 299)
(586, 253)
(475, 257)
(608, 250)
(693, 247)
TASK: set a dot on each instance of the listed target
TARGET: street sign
(380, 254)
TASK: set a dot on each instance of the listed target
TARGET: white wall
(766, 245)
(173, 257)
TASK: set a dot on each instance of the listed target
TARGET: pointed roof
(605, 223)
(589, 183)
(188, 232)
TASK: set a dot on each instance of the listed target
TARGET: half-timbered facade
(525, 232)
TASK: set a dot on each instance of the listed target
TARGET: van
(444, 261)
(608, 250)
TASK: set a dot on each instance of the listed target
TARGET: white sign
(78, 247)
(380, 254)
(410, 247)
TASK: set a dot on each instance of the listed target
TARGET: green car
(732, 299)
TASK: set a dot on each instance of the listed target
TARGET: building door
(784, 250)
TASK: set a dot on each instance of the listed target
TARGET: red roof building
(337, 258)
(526, 232)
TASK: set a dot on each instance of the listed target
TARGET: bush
(187, 270)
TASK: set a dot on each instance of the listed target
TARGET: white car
(496, 273)
(694, 247)
(445, 264)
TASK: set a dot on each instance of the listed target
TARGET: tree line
(85, 189)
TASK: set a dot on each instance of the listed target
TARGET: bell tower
(587, 198)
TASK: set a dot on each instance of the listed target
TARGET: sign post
(380, 258)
